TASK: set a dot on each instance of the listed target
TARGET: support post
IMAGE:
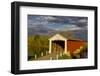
(65, 46)
(50, 46)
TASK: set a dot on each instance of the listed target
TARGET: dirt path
(49, 56)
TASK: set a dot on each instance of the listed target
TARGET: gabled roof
(63, 37)
(57, 37)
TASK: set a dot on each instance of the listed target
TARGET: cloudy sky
(60, 23)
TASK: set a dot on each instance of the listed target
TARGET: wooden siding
(73, 45)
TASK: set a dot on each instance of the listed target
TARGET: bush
(36, 45)
(80, 53)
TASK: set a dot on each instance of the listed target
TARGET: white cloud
(50, 18)
(82, 20)
(70, 27)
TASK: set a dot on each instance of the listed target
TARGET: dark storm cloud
(57, 22)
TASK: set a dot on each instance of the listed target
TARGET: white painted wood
(65, 46)
(50, 46)
(57, 37)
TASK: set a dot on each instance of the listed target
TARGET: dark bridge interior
(58, 46)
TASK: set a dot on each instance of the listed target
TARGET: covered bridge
(59, 43)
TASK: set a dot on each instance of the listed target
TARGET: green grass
(65, 56)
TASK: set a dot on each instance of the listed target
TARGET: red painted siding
(72, 45)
